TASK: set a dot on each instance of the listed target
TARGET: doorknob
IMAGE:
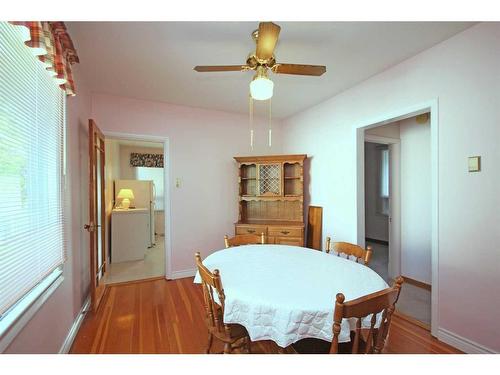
(89, 227)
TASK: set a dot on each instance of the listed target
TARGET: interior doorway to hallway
(397, 209)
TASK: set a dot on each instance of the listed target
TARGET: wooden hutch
(271, 197)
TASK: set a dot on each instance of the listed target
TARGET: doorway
(397, 196)
(401, 226)
(136, 208)
(377, 213)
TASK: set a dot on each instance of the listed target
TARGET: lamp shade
(125, 194)
(261, 88)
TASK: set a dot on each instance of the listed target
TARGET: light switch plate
(474, 163)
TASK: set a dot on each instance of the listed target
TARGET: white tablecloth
(287, 293)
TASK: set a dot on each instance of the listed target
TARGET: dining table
(287, 293)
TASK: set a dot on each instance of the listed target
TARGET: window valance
(146, 160)
(52, 44)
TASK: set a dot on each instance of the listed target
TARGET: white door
(394, 210)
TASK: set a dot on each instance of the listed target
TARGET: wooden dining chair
(234, 336)
(245, 239)
(349, 250)
(363, 340)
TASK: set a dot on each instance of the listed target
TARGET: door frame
(166, 188)
(431, 106)
(394, 219)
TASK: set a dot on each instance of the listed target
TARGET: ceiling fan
(262, 60)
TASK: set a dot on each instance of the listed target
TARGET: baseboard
(412, 320)
(121, 283)
(417, 283)
(182, 274)
(381, 242)
(66, 346)
(462, 343)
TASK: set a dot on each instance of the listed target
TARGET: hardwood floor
(160, 316)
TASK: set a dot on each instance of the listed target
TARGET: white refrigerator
(144, 197)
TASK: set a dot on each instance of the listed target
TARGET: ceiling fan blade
(220, 68)
(267, 39)
(304, 70)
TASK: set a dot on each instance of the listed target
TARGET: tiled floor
(413, 301)
(153, 265)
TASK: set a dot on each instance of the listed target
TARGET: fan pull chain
(250, 119)
(270, 124)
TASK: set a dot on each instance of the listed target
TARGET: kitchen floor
(153, 265)
(413, 301)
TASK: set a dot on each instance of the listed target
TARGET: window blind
(32, 118)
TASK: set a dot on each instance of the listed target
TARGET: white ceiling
(155, 60)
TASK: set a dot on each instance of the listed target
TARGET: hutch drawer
(282, 235)
(285, 232)
(250, 229)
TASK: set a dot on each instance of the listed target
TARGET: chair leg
(227, 348)
(209, 345)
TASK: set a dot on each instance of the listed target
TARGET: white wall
(376, 224)
(416, 200)
(47, 330)
(202, 145)
(463, 73)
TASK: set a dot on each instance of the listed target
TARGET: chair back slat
(382, 302)
(349, 250)
(244, 239)
(209, 307)
(355, 347)
(386, 322)
(369, 339)
(210, 282)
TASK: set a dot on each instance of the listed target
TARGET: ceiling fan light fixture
(261, 87)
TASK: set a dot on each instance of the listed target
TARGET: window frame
(19, 314)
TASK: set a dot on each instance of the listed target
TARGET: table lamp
(125, 195)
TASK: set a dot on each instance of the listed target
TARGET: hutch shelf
(271, 197)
